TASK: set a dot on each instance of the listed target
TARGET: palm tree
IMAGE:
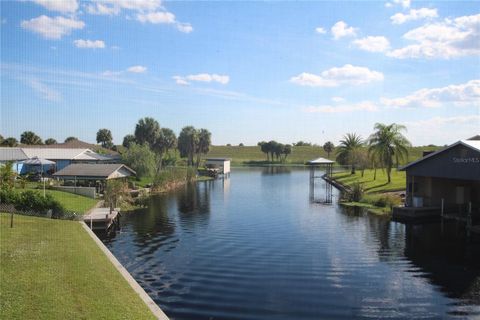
(147, 130)
(169, 139)
(204, 142)
(187, 143)
(328, 147)
(10, 142)
(388, 143)
(50, 141)
(29, 137)
(104, 137)
(70, 139)
(348, 148)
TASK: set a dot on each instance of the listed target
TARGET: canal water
(256, 247)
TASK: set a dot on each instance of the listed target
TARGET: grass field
(370, 185)
(300, 155)
(52, 269)
(71, 202)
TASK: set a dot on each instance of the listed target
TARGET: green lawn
(71, 202)
(300, 155)
(52, 269)
(370, 185)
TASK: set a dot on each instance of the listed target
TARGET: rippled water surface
(254, 247)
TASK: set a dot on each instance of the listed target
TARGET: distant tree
(204, 142)
(388, 143)
(228, 144)
(348, 148)
(328, 147)
(104, 137)
(50, 141)
(240, 144)
(169, 139)
(30, 138)
(1, 140)
(140, 158)
(70, 139)
(10, 142)
(265, 148)
(187, 143)
(128, 140)
(147, 130)
(287, 149)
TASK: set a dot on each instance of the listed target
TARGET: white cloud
(114, 7)
(346, 75)
(89, 44)
(137, 69)
(52, 28)
(64, 6)
(414, 14)
(338, 99)
(361, 106)
(202, 77)
(373, 44)
(46, 92)
(341, 29)
(156, 17)
(443, 40)
(466, 94)
(184, 27)
(320, 30)
(443, 130)
(404, 3)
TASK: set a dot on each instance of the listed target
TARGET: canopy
(38, 161)
(320, 161)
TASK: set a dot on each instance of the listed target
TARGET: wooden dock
(102, 218)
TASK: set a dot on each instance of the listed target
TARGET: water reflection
(272, 170)
(268, 253)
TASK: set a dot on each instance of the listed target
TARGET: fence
(10, 208)
(83, 191)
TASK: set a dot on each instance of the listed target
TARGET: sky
(246, 70)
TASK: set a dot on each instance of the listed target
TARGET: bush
(8, 196)
(357, 192)
(174, 175)
(387, 200)
(29, 201)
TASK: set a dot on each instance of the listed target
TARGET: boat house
(90, 178)
(222, 165)
(445, 181)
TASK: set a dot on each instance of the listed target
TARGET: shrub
(387, 200)
(29, 201)
(357, 192)
(8, 196)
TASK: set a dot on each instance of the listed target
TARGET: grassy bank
(253, 155)
(51, 269)
(379, 185)
(71, 202)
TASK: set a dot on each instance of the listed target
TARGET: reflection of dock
(102, 218)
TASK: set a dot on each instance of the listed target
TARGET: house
(61, 156)
(220, 164)
(91, 178)
(445, 180)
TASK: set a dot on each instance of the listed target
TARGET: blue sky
(247, 71)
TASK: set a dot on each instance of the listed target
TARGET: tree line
(104, 137)
(150, 146)
(386, 147)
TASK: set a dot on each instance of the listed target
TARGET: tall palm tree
(328, 147)
(187, 143)
(348, 148)
(29, 137)
(204, 142)
(388, 143)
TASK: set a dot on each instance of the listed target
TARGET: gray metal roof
(99, 170)
(320, 161)
(12, 154)
(472, 144)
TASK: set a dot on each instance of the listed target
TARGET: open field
(300, 155)
(51, 269)
(370, 185)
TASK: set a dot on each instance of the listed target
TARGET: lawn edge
(154, 308)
